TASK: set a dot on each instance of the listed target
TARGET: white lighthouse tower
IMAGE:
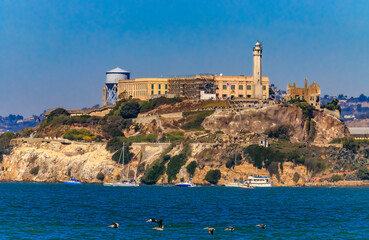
(257, 90)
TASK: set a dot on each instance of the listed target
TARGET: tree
(213, 176)
(130, 110)
(363, 98)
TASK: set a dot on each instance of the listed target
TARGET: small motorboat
(73, 181)
(186, 184)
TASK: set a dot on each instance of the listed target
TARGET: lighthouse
(257, 91)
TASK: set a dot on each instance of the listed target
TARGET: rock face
(259, 120)
(45, 160)
(53, 161)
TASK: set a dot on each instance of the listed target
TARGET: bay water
(58, 211)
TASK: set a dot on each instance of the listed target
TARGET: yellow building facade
(231, 87)
(253, 88)
(143, 88)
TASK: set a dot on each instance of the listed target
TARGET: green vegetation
(117, 156)
(174, 136)
(262, 156)
(193, 120)
(307, 110)
(5, 143)
(176, 162)
(281, 132)
(213, 176)
(350, 143)
(81, 134)
(142, 138)
(174, 165)
(157, 168)
(310, 129)
(363, 173)
(219, 132)
(153, 174)
(34, 171)
(336, 178)
(191, 167)
(100, 176)
(130, 109)
(334, 105)
(154, 103)
(232, 161)
(298, 154)
(296, 177)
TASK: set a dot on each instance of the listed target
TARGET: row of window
(159, 86)
(240, 87)
(159, 92)
(225, 96)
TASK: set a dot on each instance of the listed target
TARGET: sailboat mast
(123, 162)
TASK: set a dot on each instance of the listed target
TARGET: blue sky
(55, 53)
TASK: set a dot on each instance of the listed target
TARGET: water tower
(110, 90)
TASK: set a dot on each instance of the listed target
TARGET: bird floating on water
(263, 226)
(114, 225)
(160, 224)
(229, 229)
(211, 230)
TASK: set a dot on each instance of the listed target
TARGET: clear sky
(55, 53)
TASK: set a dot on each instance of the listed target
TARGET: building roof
(117, 70)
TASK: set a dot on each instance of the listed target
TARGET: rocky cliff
(260, 120)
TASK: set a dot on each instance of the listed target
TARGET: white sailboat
(124, 182)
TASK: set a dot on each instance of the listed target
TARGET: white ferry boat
(259, 181)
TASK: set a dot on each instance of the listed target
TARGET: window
(240, 87)
(233, 87)
(248, 96)
(224, 96)
(152, 86)
(152, 92)
(264, 88)
(166, 92)
(216, 86)
(159, 92)
(166, 86)
(248, 87)
(159, 87)
(240, 96)
(224, 87)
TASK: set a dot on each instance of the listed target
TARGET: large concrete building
(247, 88)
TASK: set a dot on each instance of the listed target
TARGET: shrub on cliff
(334, 105)
(260, 155)
(191, 167)
(113, 126)
(174, 136)
(130, 109)
(281, 132)
(81, 134)
(363, 173)
(34, 171)
(193, 120)
(100, 176)
(118, 156)
(336, 178)
(154, 103)
(307, 110)
(153, 174)
(174, 165)
(213, 176)
(232, 161)
(296, 177)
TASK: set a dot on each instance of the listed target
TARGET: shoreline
(339, 184)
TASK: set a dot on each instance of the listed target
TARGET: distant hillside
(14, 123)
